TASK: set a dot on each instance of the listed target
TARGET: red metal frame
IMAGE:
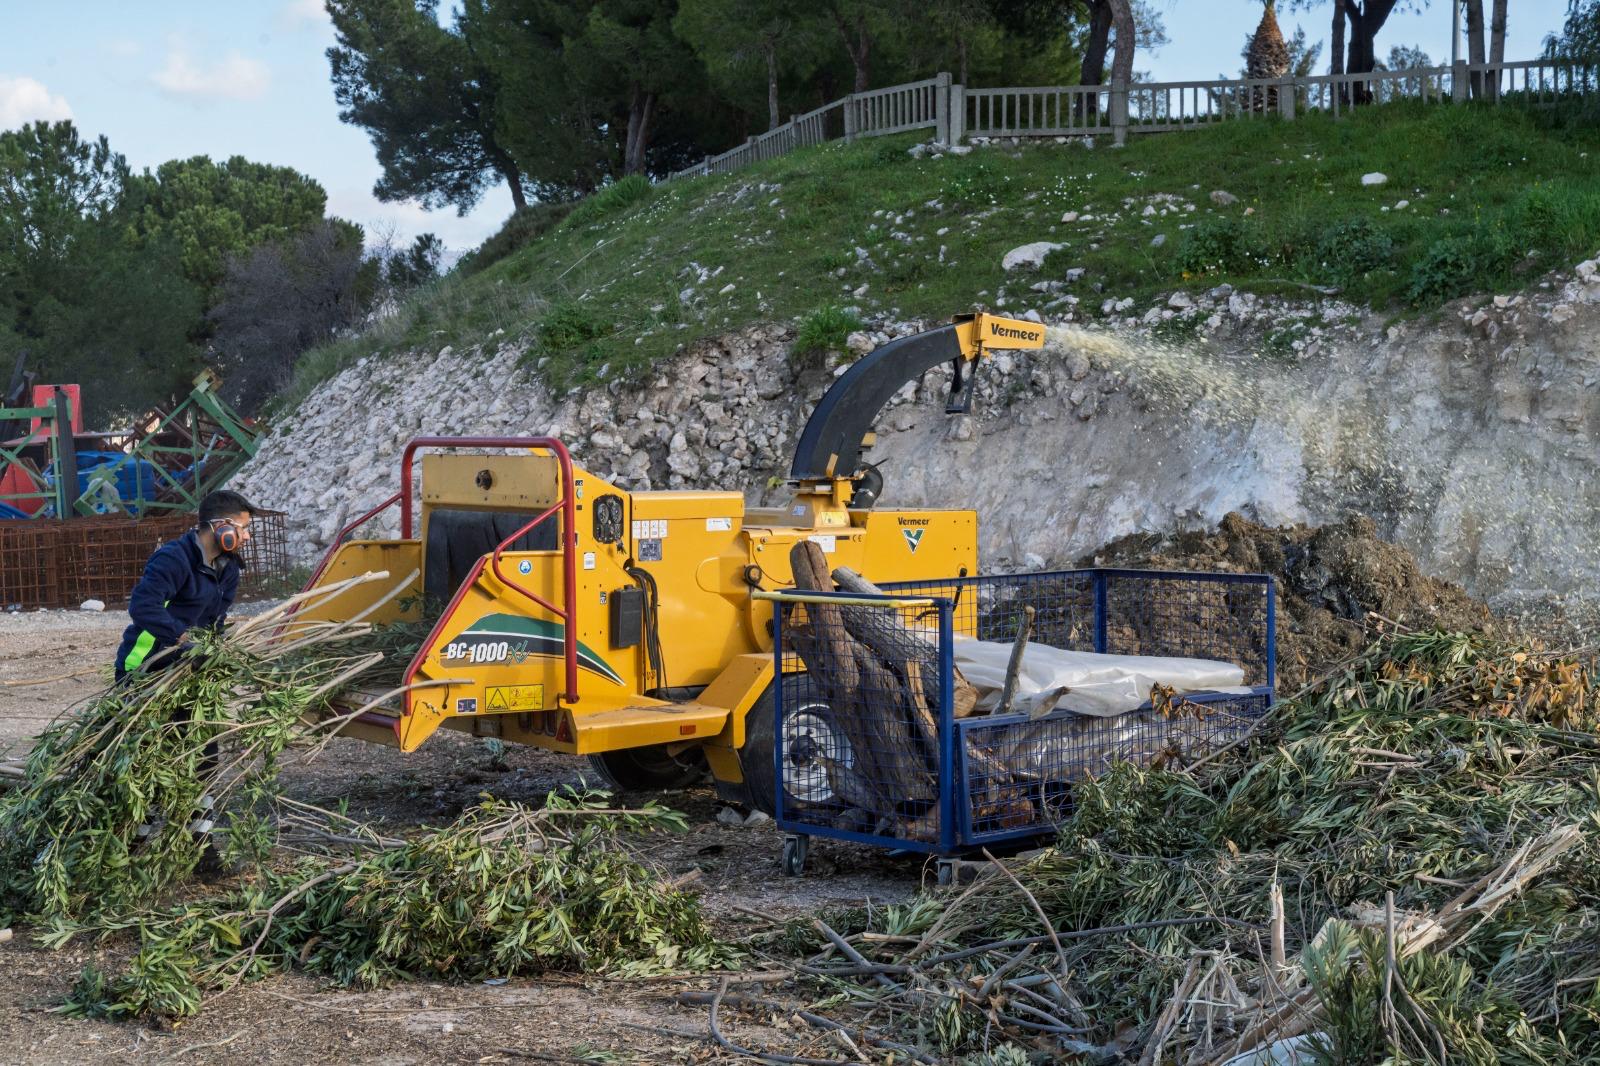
(568, 613)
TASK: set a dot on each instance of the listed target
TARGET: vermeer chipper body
(580, 617)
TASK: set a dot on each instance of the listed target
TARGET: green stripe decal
(141, 648)
(530, 637)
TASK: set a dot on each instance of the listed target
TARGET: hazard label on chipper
(515, 698)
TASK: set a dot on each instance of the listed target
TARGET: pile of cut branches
(119, 797)
(1402, 864)
(120, 800)
(504, 890)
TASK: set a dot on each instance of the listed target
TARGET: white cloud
(233, 77)
(299, 14)
(125, 47)
(23, 100)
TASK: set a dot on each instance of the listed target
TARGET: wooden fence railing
(955, 112)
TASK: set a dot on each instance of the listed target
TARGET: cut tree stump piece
(889, 637)
(890, 765)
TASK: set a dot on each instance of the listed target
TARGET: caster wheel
(945, 873)
(795, 850)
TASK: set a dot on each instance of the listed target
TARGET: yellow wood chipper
(628, 626)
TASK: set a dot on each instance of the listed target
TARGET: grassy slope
(1496, 196)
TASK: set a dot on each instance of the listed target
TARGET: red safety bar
(567, 505)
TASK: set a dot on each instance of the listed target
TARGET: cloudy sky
(177, 78)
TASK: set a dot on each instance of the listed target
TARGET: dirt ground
(292, 1019)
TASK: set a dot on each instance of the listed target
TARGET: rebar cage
(872, 743)
(47, 562)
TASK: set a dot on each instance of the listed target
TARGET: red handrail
(568, 507)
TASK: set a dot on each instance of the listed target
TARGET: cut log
(885, 633)
(858, 784)
(882, 680)
(890, 763)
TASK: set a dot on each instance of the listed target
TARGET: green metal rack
(193, 449)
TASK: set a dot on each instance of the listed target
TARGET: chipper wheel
(811, 739)
(650, 769)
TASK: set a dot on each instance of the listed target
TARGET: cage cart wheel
(810, 740)
(944, 872)
(796, 849)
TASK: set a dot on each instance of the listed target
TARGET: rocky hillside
(1466, 437)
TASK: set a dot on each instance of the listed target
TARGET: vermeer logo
(913, 537)
(1014, 333)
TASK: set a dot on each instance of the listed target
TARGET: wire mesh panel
(1205, 616)
(266, 555)
(864, 737)
(1015, 771)
(1017, 775)
(1227, 617)
(880, 738)
(29, 575)
(46, 562)
(102, 558)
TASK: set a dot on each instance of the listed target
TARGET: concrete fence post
(849, 118)
(1458, 81)
(1286, 98)
(958, 113)
(1119, 113)
(941, 108)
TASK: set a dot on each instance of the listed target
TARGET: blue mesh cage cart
(877, 739)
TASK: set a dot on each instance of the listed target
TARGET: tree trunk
(640, 112)
(1336, 42)
(635, 112)
(1336, 58)
(1497, 45)
(961, 60)
(1475, 54)
(858, 44)
(1365, 22)
(1127, 34)
(508, 171)
(770, 51)
(1094, 52)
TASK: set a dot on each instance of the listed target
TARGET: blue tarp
(135, 479)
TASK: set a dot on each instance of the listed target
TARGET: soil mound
(1331, 580)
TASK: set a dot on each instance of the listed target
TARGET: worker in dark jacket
(188, 584)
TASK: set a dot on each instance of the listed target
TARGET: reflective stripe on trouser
(141, 648)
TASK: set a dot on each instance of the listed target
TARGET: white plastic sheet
(1085, 682)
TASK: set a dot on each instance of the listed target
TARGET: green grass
(825, 330)
(606, 289)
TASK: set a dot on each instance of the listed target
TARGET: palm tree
(1267, 58)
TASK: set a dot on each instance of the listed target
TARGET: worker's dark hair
(224, 504)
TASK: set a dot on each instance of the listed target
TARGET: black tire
(808, 721)
(650, 768)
